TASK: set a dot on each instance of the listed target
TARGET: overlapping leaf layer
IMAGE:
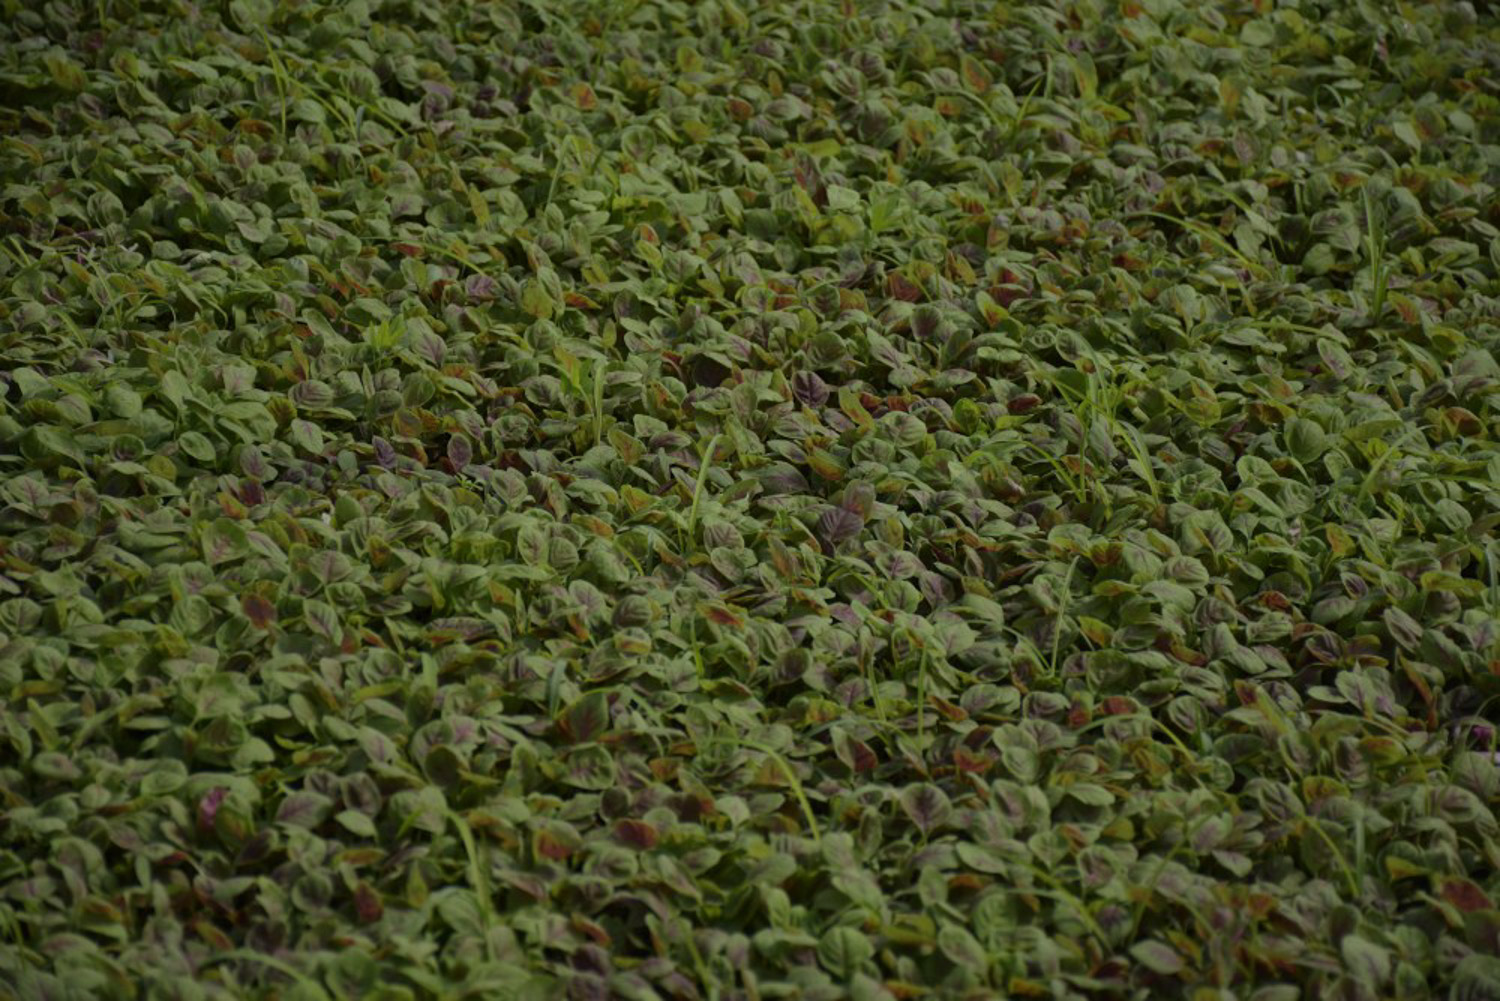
(735, 500)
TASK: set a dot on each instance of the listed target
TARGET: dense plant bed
(733, 500)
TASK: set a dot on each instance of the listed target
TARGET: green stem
(480, 880)
(245, 955)
(1062, 611)
(703, 466)
(1375, 248)
(786, 770)
(599, 367)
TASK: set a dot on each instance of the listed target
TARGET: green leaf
(1305, 439)
(962, 948)
(174, 388)
(356, 823)
(198, 447)
(304, 809)
(1476, 978)
(879, 500)
(1407, 134)
(1090, 795)
(122, 401)
(1258, 33)
(843, 951)
(309, 111)
(1158, 957)
(322, 619)
(308, 436)
(224, 540)
(1205, 531)
(535, 299)
(1368, 963)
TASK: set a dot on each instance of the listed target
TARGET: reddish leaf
(855, 754)
(548, 845)
(974, 74)
(781, 559)
(592, 929)
(1187, 656)
(1006, 294)
(967, 761)
(1275, 600)
(367, 903)
(1465, 895)
(898, 286)
(258, 610)
(212, 935)
(636, 834)
(1463, 421)
(954, 713)
(721, 615)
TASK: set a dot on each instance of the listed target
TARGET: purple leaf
(926, 805)
(304, 809)
(842, 612)
(925, 320)
(836, 524)
(859, 498)
(783, 478)
(481, 288)
(208, 807)
(586, 719)
(935, 588)
(810, 389)
(459, 627)
(431, 347)
(254, 464)
(384, 453)
(460, 452)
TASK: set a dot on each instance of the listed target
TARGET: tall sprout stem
(703, 467)
(1375, 240)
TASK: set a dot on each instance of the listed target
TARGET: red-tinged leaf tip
(1465, 895)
